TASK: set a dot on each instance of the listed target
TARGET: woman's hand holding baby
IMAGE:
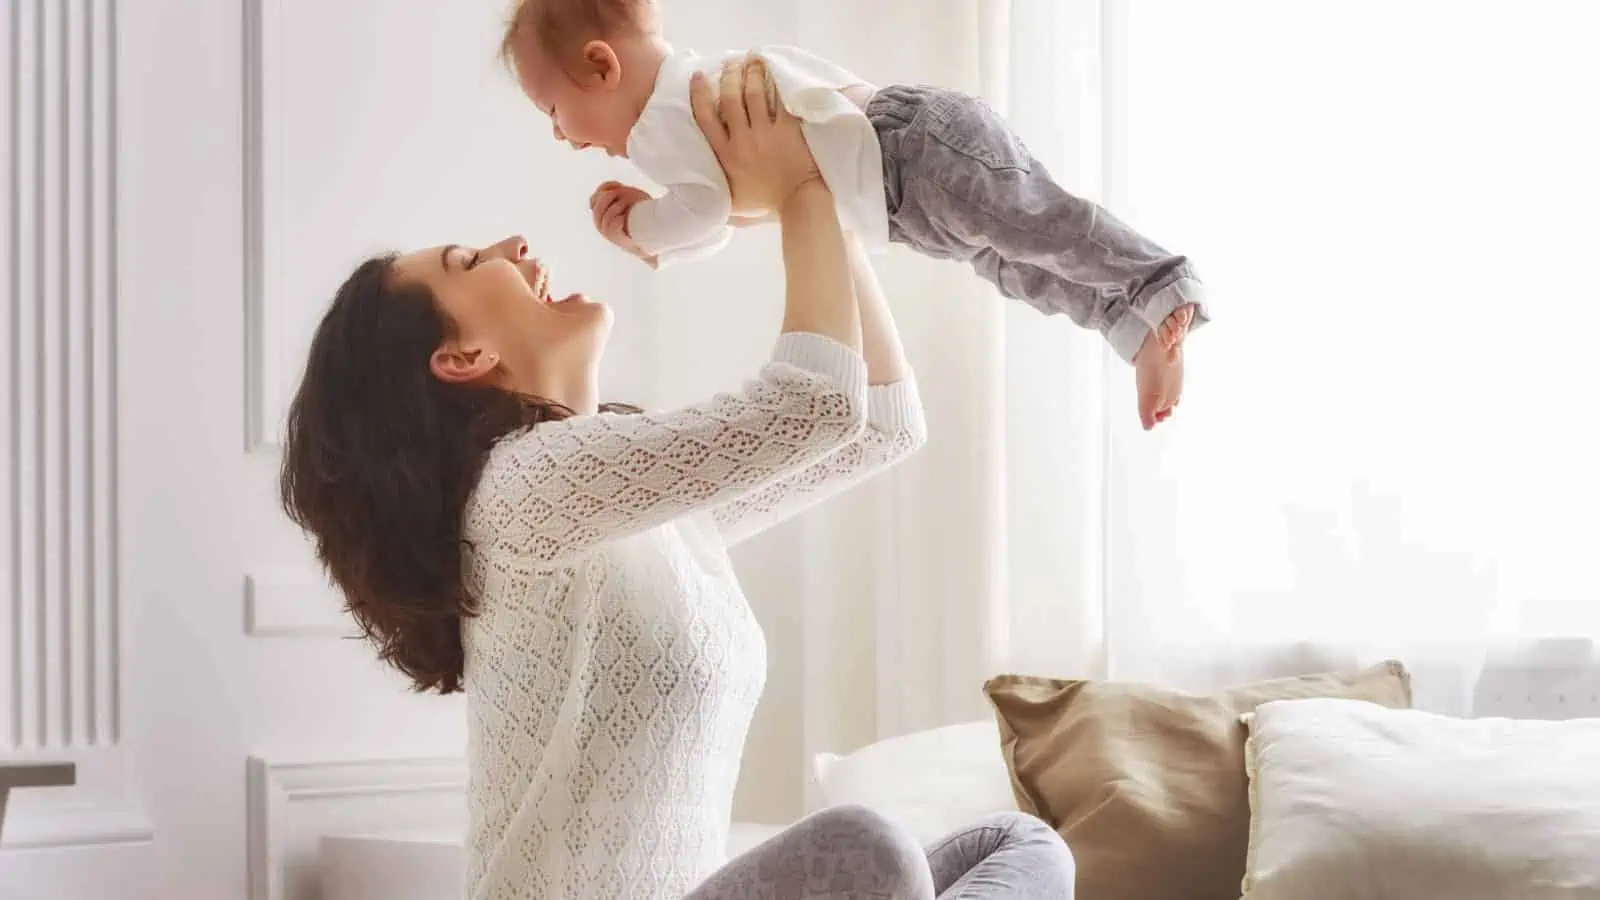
(757, 141)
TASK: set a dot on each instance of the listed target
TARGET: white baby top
(691, 220)
(614, 665)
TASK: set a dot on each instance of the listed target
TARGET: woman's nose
(514, 248)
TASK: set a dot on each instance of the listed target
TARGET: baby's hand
(610, 205)
(1158, 373)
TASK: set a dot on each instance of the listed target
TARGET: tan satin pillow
(1148, 786)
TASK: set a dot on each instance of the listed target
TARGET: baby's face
(596, 115)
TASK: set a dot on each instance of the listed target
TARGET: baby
(928, 167)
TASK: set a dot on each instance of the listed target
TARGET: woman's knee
(1018, 823)
(844, 851)
(895, 853)
(871, 828)
(1045, 847)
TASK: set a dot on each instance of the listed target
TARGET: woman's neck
(579, 392)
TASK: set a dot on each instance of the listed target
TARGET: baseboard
(293, 804)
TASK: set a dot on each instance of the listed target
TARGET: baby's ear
(604, 68)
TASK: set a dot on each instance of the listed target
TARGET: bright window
(1391, 429)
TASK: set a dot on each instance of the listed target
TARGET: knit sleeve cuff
(826, 357)
(895, 407)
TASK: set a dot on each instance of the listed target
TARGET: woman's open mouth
(540, 282)
(538, 278)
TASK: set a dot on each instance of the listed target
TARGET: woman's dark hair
(379, 460)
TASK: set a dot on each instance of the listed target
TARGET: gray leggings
(853, 853)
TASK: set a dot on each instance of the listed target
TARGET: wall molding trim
(96, 807)
(282, 605)
(63, 620)
(263, 226)
(76, 828)
(61, 617)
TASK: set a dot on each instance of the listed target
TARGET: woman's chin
(592, 310)
(574, 305)
(581, 305)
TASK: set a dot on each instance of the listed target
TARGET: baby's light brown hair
(561, 28)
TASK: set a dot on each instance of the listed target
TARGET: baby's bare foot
(1176, 328)
(1159, 380)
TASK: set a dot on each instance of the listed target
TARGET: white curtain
(981, 553)
(903, 606)
(1385, 449)
(887, 608)
(1386, 446)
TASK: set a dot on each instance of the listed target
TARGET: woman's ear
(457, 365)
(604, 67)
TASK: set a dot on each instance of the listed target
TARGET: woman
(495, 530)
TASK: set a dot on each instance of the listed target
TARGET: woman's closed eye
(458, 258)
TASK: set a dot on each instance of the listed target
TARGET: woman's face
(508, 328)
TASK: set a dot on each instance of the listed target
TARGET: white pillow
(933, 782)
(1350, 799)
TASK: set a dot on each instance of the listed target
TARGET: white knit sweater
(614, 667)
